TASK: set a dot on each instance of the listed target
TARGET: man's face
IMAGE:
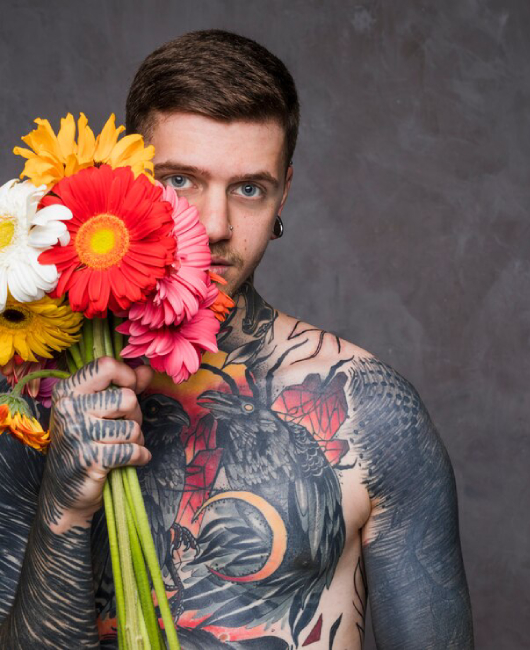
(235, 174)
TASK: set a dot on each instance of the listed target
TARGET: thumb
(144, 376)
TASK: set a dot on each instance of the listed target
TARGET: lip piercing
(231, 228)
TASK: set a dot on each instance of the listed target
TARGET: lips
(219, 265)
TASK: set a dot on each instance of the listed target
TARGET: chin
(233, 286)
(230, 288)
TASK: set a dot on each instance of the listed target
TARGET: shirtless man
(290, 477)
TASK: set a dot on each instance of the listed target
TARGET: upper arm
(411, 547)
(20, 476)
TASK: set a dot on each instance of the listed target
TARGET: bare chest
(255, 504)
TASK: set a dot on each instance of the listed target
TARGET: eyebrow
(173, 165)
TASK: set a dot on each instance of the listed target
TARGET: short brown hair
(217, 74)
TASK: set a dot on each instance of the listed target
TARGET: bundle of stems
(134, 560)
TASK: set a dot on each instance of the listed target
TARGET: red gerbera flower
(120, 239)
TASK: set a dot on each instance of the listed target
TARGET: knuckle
(135, 432)
(139, 455)
(128, 399)
(106, 365)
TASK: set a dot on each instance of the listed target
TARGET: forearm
(54, 603)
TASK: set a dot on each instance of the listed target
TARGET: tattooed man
(290, 477)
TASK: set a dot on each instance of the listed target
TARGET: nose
(213, 214)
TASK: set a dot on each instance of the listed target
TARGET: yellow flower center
(7, 231)
(15, 318)
(102, 241)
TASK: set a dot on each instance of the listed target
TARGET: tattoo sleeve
(53, 605)
(46, 583)
(416, 580)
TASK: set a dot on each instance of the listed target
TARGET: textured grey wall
(407, 228)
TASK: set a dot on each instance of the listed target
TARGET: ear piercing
(278, 226)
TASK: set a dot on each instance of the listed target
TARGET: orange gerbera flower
(23, 426)
(120, 239)
(52, 157)
(223, 303)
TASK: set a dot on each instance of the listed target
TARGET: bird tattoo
(281, 464)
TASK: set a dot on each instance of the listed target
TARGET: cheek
(254, 236)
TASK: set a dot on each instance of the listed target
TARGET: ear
(288, 181)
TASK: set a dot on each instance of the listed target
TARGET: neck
(250, 320)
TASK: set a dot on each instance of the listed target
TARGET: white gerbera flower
(24, 233)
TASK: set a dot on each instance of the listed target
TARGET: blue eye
(178, 181)
(250, 191)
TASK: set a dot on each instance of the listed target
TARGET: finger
(144, 376)
(124, 454)
(97, 376)
(116, 431)
(110, 403)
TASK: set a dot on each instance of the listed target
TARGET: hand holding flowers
(97, 427)
(92, 249)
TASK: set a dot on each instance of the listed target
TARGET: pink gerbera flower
(175, 350)
(177, 323)
(180, 292)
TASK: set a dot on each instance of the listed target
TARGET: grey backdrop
(407, 227)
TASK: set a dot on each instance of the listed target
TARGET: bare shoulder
(307, 348)
(370, 382)
(386, 424)
(310, 348)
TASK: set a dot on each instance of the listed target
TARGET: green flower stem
(160, 636)
(149, 550)
(70, 363)
(146, 643)
(76, 355)
(128, 495)
(95, 348)
(99, 338)
(132, 622)
(81, 346)
(88, 339)
(141, 618)
(117, 337)
(38, 374)
(107, 338)
(140, 571)
(115, 560)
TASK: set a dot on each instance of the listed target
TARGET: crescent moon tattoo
(275, 523)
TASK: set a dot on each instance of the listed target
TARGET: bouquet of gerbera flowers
(97, 258)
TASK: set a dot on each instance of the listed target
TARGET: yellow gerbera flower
(37, 328)
(15, 418)
(52, 157)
